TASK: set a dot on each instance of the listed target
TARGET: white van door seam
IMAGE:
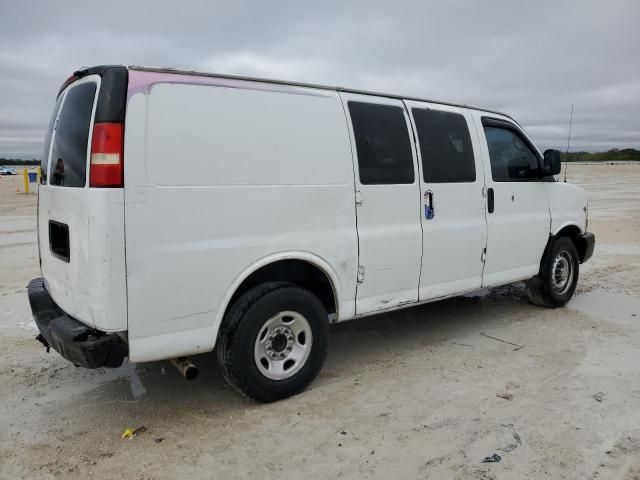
(484, 195)
(357, 194)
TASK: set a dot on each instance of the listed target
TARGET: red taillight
(106, 155)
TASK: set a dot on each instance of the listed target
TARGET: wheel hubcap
(283, 345)
(562, 273)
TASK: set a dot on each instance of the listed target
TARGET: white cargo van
(183, 211)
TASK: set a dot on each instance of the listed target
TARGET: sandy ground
(406, 395)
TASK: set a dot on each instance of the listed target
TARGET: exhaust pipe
(187, 369)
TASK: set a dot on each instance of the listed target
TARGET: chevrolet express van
(181, 212)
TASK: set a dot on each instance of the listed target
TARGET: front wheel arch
(540, 288)
(571, 231)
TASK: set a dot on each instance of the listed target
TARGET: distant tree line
(609, 155)
(18, 161)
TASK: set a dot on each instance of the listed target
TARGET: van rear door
(80, 227)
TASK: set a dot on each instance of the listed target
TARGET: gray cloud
(532, 60)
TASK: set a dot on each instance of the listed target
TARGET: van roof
(310, 85)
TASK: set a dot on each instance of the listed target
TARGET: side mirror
(551, 163)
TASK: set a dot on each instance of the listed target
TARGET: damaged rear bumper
(82, 345)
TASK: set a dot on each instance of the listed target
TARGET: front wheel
(556, 283)
(273, 341)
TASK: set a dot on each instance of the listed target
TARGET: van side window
(69, 153)
(511, 158)
(445, 146)
(382, 143)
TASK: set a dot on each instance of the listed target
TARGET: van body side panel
(89, 285)
(217, 180)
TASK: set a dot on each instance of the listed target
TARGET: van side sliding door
(452, 213)
(387, 202)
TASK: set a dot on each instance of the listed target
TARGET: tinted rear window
(445, 146)
(47, 142)
(69, 153)
(382, 143)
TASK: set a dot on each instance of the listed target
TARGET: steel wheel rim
(562, 273)
(283, 345)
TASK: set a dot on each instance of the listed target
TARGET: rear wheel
(273, 341)
(556, 282)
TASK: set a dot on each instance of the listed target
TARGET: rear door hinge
(483, 255)
(360, 274)
(358, 198)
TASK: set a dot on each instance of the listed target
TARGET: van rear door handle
(429, 211)
(490, 200)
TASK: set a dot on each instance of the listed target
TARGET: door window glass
(445, 146)
(511, 158)
(382, 143)
(44, 164)
(69, 153)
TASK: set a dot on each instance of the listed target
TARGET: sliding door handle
(490, 200)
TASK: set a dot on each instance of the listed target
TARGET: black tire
(244, 322)
(541, 288)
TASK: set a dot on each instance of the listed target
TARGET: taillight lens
(107, 168)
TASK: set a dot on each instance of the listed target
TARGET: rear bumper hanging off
(78, 343)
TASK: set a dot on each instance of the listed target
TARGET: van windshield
(71, 136)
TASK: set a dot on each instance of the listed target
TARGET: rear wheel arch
(302, 269)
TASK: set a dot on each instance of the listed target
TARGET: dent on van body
(91, 286)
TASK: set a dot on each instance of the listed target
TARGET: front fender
(567, 207)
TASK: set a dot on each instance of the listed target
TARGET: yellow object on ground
(26, 181)
(130, 432)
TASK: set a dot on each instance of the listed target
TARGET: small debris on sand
(492, 459)
(517, 438)
(130, 432)
(506, 396)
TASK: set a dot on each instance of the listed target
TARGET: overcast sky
(532, 59)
